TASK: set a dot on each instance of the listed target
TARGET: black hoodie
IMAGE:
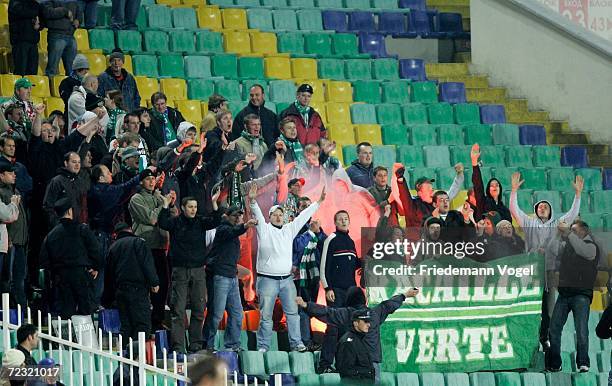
(484, 201)
(66, 184)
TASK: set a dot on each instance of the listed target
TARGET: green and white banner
(468, 316)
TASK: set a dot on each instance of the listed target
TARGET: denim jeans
(124, 14)
(268, 290)
(226, 296)
(89, 10)
(579, 306)
(60, 46)
(19, 269)
(308, 293)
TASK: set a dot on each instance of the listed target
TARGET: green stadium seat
(384, 155)
(156, 42)
(460, 154)
(171, 66)
(450, 134)
(129, 41)
(387, 379)
(594, 220)
(445, 177)
(385, 69)
(601, 201)
(592, 178)
(567, 199)
(357, 69)
(200, 89)
(436, 156)
(182, 41)
(247, 3)
(308, 379)
(414, 113)
(395, 92)
(318, 44)
(260, 18)
(330, 379)
(560, 178)
(535, 178)
(209, 42)
(282, 90)
(183, 17)
(432, 379)
(504, 175)
(492, 156)
(197, 66)
(384, 5)
(467, 113)
(282, 106)
(250, 67)
(424, 92)
(292, 42)
(145, 65)
(548, 156)
(519, 155)
(331, 69)
(418, 172)
(141, 20)
(357, 4)
(229, 88)
(440, 113)
(363, 113)
(159, 16)
(603, 362)
(387, 113)
(345, 45)
(505, 134)
(525, 201)
(235, 107)
(252, 363)
(410, 156)
(422, 134)
(225, 65)
(301, 363)
(407, 379)
(482, 379)
(285, 19)
(508, 378)
(457, 379)
(584, 379)
(301, 3)
(277, 362)
(485, 172)
(533, 379)
(558, 379)
(365, 90)
(348, 154)
(551, 196)
(309, 20)
(394, 134)
(103, 39)
(477, 133)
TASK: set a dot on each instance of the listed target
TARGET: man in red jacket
(307, 121)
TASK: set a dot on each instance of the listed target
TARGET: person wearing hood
(307, 120)
(115, 77)
(186, 130)
(129, 164)
(164, 123)
(77, 102)
(97, 142)
(342, 317)
(80, 68)
(269, 120)
(491, 198)
(24, 18)
(250, 140)
(218, 145)
(361, 171)
(22, 97)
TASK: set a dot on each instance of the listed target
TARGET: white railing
(89, 355)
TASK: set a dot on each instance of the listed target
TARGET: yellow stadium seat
(127, 63)
(169, 2)
(174, 88)
(337, 152)
(368, 133)
(342, 133)
(191, 110)
(3, 14)
(42, 43)
(82, 39)
(277, 67)
(55, 82)
(337, 91)
(42, 64)
(597, 304)
(318, 88)
(209, 18)
(37, 100)
(4, 36)
(263, 43)
(238, 42)
(41, 86)
(338, 112)
(7, 84)
(234, 18)
(320, 108)
(97, 63)
(204, 108)
(4, 62)
(459, 199)
(146, 88)
(53, 103)
(191, 2)
(304, 68)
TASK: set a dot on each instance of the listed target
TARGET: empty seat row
(321, 45)
(351, 4)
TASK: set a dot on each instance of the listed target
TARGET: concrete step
(488, 94)
(436, 3)
(567, 138)
(604, 161)
(438, 70)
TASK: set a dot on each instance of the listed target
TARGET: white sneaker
(263, 350)
(583, 369)
(300, 348)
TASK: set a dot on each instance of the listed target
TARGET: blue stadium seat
(417, 5)
(490, 114)
(373, 44)
(451, 24)
(607, 179)
(109, 321)
(359, 21)
(532, 135)
(452, 92)
(413, 69)
(335, 21)
(231, 359)
(574, 156)
(394, 23)
(421, 24)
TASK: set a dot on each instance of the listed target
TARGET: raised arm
(477, 183)
(571, 215)
(457, 182)
(255, 210)
(306, 214)
(517, 213)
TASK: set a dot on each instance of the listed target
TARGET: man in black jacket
(222, 281)
(80, 68)
(453, 222)
(131, 276)
(72, 254)
(187, 249)
(27, 340)
(24, 27)
(61, 20)
(269, 120)
(164, 123)
(353, 359)
(361, 171)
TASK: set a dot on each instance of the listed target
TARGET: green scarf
(255, 141)
(296, 147)
(169, 133)
(309, 270)
(303, 110)
(235, 191)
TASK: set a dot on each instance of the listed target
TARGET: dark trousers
(134, 307)
(25, 58)
(330, 340)
(159, 299)
(124, 14)
(19, 269)
(104, 240)
(188, 285)
(309, 294)
(75, 287)
(579, 305)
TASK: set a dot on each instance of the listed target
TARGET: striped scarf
(235, 191)
(296, 147)
(309, 270)
(303, 110)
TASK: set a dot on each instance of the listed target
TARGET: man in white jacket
(8, 214)
(274, 263)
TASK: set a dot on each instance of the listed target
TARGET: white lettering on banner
(475, 337)
(404, 347)
(500, 348)
(447, 350)
(426, 346)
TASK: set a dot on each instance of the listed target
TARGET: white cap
(13, 358)
(272, 209)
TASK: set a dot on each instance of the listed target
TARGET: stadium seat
(182, 41)
(407, 379)
(200, 89)
(252, 363)
(414, 113)
(595, 222)
(171, 66)
(607, 179)
(535, 178)
(603, 362)
(436, 156)
(394, 135)
(146, 87)
(264, 43)
(55, 82)
(285, 20)
(601, 201)
(184, 18)
(504, 175)
(328, 3)
(191, 110)
(552, 196)
(452, 92)
(466, 113)
(357, 69)
(492, 155)
(309, 20)
(156, 42)
(229, 88)
(250, 68)
(260, 18)
(385, 69)
(282, 90)
(159, 16)
(558, 379)
(277, 362)
(480, 379)
(173, 88)
(53, 103)
(301, 363)
(491, 114)
(560, 178)
(363, 113)
(440, 113)
(413, 69)
(476, 133)
(277, 67)
(367, 91)
(339, 92)
(388, 113)
(592, 178)
(338, 112)
(97, 62)
(374, 44)
(304, 69)
(197, 66)
(574, 156)
(369, 133)
(238, 42)
(533, 379)
(234, 18)
(424, 92)
(308, 379)
(230, 358)
(291, 42)
(584, 379)
(421, 24)
(129, 41)
(395, 92)
(518, 156)
(318, 44)
(301, 3)
(331, 69)
(548, 156)
(384, 155)
(346, 45)
(432, 379)
(41, 86)
(209, 18)
(356, 4)
(422, 134)
(342, 133)
(330, 379)
(145, 65)
(451, 24)
(505, 134)
(359, 21)
(335, 20)
(394, 23)
(532, 135)
(410, 156)
(225, 65)
(209, 42)
(460, 154)
(103, 39)
(457, 379)
(450, 134)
